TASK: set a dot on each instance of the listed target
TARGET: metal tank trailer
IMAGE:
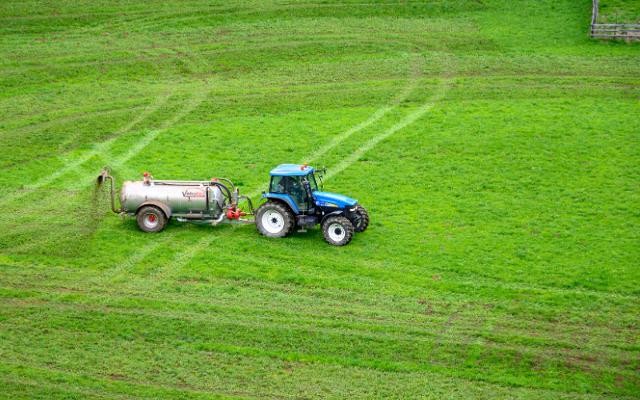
(295, 200)
(153, 202)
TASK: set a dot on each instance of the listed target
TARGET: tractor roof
(291, 170)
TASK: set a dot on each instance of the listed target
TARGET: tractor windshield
(312, 182)
(291, 184)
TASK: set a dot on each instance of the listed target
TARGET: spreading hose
(224, 188)
(104, 176)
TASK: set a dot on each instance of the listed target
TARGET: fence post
(594, 16)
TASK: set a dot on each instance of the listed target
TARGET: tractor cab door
(295, 187)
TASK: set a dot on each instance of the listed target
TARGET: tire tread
(289, 219)
(347, 226)
(364, 214)
(159, 213)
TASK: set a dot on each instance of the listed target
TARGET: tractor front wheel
(274, 220)
(337, 231)
(361, 219)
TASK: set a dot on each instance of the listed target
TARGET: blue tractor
(295, 201)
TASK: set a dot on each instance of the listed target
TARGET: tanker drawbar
(154, 202)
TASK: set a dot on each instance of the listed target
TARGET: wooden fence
(612, 31)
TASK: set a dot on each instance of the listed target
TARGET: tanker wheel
(361, 220)
(337, 231)
(151, 219)
(274, 220)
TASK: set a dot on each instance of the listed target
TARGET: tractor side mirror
(321, 173)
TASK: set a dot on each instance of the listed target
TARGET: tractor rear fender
(285, 198)
(165, 208)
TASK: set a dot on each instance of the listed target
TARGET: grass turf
(495, 145)
(619, 11)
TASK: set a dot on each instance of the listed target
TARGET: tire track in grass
(112, 274)
(103, 148)
(153, 134)
(96, 150)
(41, 373)
(405, 122)
(147, 138)
(416, 73)
(40, 126)
(322, 312)
(100, 385)
(182, 259)
(149, 293)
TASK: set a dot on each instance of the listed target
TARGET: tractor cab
(295, 200)
(295, 184)
(298, 186)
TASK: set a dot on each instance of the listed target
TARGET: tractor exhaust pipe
(102, 178)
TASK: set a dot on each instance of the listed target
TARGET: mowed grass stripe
(425, 313)
(434, 303)
(60, 383)
(460, 323)
(389, 355)
(365, 381)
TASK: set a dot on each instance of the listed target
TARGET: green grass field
(619, 11)
(495, 145)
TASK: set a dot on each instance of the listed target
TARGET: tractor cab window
(282, 184)
(291, 185)
(276, 185)
(312, 181)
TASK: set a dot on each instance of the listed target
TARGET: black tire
(337, 231)
(274, 219)
(361, 219)
(151, 219)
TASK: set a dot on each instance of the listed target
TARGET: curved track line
(103, 147)
(112, 273)
(40, 126)
(153, 134)
(182, 258)
(195, 100)
(406, 121)
(97, 149)
(379, 113)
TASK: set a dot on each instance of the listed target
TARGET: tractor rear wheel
(337, 231)
(274, 219)
(361, 220)
(151, 219)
